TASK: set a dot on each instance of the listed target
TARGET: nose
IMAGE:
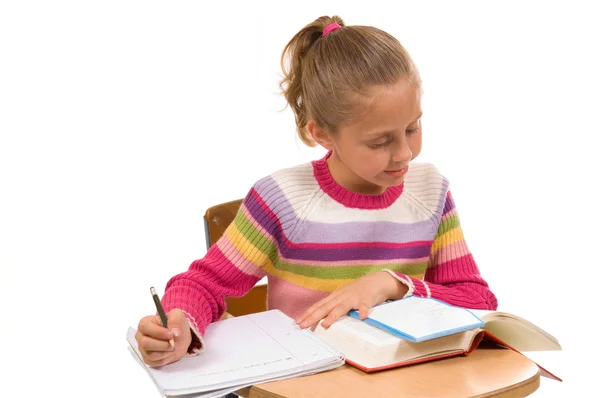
(402, 153)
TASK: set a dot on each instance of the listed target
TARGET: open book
(378, 342)
(240, 352)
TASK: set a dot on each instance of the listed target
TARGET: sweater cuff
(415, 286)
(197, 344)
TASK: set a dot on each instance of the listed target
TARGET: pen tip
(152, 290)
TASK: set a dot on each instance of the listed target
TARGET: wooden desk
(487, 372)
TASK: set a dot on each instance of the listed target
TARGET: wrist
(397, 289)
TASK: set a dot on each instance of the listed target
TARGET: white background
(122, 121)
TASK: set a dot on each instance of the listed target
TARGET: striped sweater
(310, 236)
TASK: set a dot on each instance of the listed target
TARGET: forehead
(389, 108)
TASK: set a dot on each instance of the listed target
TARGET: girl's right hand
(153, 338)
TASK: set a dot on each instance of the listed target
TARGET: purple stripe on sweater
(380, 231)
(261, 216)
(448, 203)
(311, 231)
(357, 253)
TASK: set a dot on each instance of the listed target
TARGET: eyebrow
(375, 136)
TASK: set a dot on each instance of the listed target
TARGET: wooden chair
(216, 220)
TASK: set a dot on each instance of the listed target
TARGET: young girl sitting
(349, 231)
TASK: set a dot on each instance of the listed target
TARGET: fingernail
(176, 332)
(169, 335)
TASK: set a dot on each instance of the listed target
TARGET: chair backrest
(216, 220)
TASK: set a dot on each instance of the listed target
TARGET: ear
(318, 134)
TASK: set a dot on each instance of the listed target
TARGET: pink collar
(349, 198)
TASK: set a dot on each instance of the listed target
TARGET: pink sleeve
(231, 267)
(452, 274)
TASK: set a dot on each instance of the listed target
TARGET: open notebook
(243, 351)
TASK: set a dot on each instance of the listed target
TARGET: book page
(356, 332)
(418, 319)
(364, 331)
(517, 332)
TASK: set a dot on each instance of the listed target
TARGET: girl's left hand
(362, 294)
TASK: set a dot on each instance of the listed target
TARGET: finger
(321, 312)
(316, 305)
(363, 311)
(151, 326)
(164, 361)
(311, 309)
(149, 344)
(336, 313)
(157, 356)
(177, 322)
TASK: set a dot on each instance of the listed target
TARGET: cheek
(414, 143)
(374, 162)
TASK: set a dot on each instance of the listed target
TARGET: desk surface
(487, 372)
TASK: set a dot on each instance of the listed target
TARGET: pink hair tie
(330, 28)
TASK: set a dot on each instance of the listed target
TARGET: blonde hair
(328, 76)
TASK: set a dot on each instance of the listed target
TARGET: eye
(382, 145)
(412, 131)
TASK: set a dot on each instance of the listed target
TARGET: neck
(347, 179)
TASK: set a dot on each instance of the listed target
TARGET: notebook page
(239, 349)
(301, 344)
(220, 393)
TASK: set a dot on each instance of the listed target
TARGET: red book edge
(483, 335)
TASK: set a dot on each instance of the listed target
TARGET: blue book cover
(419, 319)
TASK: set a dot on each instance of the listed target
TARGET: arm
(452, 274)
(231, 267)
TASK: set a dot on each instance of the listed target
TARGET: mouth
(397, 173)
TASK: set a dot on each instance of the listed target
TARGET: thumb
(177, 321)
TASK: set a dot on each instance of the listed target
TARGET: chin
(387, 183)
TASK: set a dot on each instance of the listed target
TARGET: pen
(161, 311)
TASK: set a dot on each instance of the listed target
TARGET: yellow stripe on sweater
(247, 250)
(448, 238)
(323, 285)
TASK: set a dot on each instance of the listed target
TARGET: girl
(349, 231)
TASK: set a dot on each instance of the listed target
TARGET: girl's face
(373, 153)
